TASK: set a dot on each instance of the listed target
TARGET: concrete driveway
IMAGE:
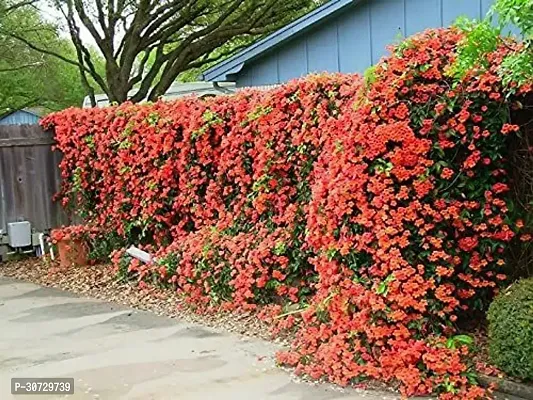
(113, 352)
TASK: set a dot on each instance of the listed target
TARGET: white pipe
(41, 243)
(140, 255)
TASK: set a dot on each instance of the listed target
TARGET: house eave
(223, 71)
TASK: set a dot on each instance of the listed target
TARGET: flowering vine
(382, 207)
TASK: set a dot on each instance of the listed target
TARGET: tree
(30, 78)
(147, 44)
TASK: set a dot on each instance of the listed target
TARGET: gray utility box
(19, 234)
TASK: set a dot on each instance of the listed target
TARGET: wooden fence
(29, 177)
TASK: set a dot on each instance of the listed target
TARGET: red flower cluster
(383, 208)
(409, 217)
(73, 233)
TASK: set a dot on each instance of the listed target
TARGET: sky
(50, 13)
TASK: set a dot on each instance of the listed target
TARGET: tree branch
(202, 62)
(83, 55)
(18, 68)
(41, 50)
(16, 6)
(159, 39)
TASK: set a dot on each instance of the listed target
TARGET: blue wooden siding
(354, 33)
(355, 38)
(292, 60)
(20, 118)
(429, 12)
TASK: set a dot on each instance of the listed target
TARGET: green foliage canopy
(482, 37)
(29, 78)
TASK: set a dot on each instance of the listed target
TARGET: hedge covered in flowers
(382, 207)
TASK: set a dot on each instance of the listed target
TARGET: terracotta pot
(72, 252)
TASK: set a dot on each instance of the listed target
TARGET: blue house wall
(20, 117)
(352, 39)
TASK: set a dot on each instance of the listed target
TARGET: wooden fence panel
(29, 177)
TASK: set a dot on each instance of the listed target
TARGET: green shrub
(511, 330)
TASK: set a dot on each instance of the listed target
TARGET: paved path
(113, 352)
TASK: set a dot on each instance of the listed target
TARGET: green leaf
(382, 288)
(463, 339)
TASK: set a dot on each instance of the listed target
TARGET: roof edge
(26, 110)
(236, 62)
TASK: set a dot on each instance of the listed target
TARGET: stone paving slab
(114, 352)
